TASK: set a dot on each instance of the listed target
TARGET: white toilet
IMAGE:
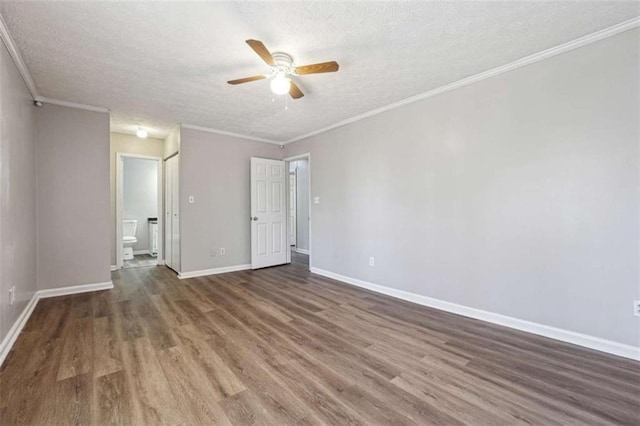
(129, 227)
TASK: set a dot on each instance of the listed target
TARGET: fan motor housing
(284, 63)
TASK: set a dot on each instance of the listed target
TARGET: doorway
(299, 211)
(138, 208)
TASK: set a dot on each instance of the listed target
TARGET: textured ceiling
(159, 64)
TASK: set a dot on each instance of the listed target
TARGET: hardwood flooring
(282, 346)
(140, 260)
(300, 259)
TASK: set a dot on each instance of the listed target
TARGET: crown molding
(565, 47)
(17, 58)
(236, 135)
(536, 57)
(128, 133)
(5, 35)
(69, 104)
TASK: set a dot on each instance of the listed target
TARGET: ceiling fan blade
(262, 51)
(318, 68)
(295, 91)
(247, 79)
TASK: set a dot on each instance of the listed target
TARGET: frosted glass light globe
(280, 84)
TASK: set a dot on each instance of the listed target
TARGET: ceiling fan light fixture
(282, 67)
(280, 84)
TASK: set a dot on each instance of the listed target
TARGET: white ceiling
(159, 64)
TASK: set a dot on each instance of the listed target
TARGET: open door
(269, 240)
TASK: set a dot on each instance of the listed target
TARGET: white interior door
(175, 210)
(168, 205)
(292, 208)
(269, 240)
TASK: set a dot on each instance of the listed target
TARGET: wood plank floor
(140, 260)
(281, 346)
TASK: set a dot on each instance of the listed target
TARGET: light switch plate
(191, 199)
(316, 200)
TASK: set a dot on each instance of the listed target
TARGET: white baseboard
(74, 289)
(214, 271)
(15, 330)
(579, 339)
(141, 252)
(302, 251)
(114, 268)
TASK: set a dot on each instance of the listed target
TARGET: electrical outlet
(636, 308)
(372, 261)
(223, 251)
(12, 295)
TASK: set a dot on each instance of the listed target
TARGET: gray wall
(172, 142)
(128, 144)
(73, 196)
(140, 196)
(517, 195)
(18, 190)
(215, 170)
(302, 203)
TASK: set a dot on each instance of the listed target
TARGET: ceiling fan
(282, 68)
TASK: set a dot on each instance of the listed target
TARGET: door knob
(255, 218)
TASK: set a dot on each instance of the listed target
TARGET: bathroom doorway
(138, 210)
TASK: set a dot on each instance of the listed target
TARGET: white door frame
(119, 204)
(293, 195)
(306, 155)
